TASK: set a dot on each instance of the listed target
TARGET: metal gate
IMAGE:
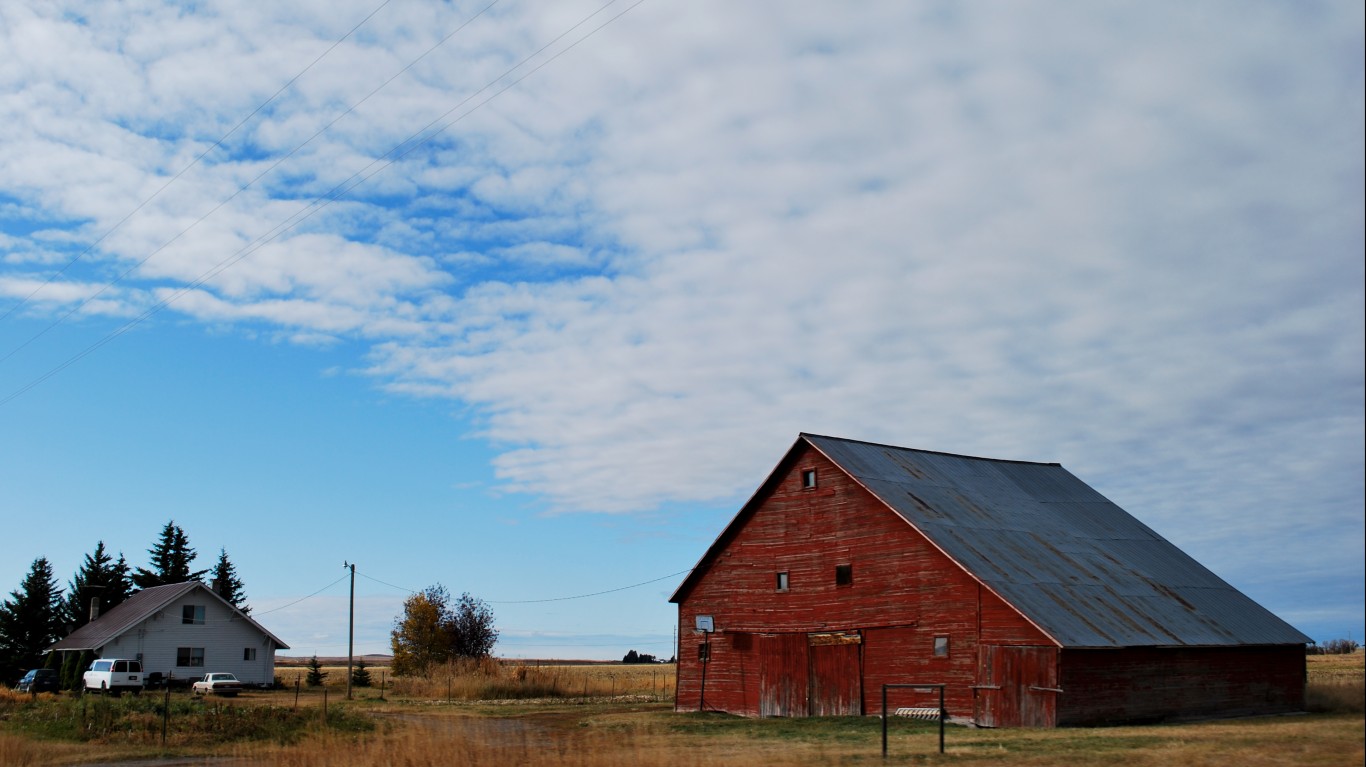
(1016, 686)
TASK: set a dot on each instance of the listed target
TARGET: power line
(547, 599)
(23, 301)
(322, 201)
(302, 598)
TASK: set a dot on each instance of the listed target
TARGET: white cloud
(1124, 237)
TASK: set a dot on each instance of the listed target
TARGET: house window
(941, 647)
(192, 614)
(844, 575)
(191, 657)
(808, 478)
(249, 653)
(781, 584)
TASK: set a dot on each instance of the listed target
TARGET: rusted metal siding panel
(1162, 684)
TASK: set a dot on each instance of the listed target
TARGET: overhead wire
(546, 599)
(326, 199)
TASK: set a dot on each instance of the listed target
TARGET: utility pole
(351, 628)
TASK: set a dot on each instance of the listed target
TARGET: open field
(422, 728)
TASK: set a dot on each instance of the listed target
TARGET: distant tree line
(39, 613)
(640, 657)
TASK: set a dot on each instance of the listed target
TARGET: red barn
(1038, 602)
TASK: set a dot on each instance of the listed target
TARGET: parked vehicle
(217, 684)
(113, 675)
(39, 680)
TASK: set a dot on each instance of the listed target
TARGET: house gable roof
(138, 608)
(1082, 569)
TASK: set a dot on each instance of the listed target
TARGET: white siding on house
(224, 636)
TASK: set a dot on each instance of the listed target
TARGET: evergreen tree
(100, 576)
(360, 676)
(30, 620)
(316, 675)
(226, 584)
(170, 563)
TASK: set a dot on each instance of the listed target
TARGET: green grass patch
(185, 721)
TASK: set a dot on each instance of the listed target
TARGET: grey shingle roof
(137, 609)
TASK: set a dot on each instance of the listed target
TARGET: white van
(113, 675)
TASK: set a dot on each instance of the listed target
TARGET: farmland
(609, 714)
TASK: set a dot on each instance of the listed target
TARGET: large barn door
(836, 675)
(1016, 686)
(782, 674)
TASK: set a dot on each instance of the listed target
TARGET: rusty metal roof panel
(1081, 568)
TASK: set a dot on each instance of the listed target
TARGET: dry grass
(421, 730)
(1337, 684)
(492, 680)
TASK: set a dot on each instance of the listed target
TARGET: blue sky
(549, 351)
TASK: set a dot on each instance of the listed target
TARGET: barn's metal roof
(1081, 568)
(126, 615)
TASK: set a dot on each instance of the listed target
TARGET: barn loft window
(781, 584)
(808, 478)
(941, 647)
(844, 575)
(192, 614)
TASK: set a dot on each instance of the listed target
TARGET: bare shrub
(1339, 647)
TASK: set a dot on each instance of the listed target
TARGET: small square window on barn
(941, 647)
(808, 479)
(844, 575)
(781, 582)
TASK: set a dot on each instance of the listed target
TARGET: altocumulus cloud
(1123, 237)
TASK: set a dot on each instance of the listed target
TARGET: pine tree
(171, 558)
(316, 675)
(360, 677)
(30, 620)
(100, 576)
(226, 584)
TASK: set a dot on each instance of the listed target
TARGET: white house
(182, 630)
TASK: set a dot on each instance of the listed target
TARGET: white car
(217, 684)
(113, 675)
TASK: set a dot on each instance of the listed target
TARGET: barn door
(835, 675)
(782, 674)
(1016, 686)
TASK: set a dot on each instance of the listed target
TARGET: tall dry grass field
(494, 680)
(1337, 683)
(608, 719)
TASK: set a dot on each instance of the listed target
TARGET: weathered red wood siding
(1156, 684)
(904, 593)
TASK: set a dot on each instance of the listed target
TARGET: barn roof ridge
(809, 436)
